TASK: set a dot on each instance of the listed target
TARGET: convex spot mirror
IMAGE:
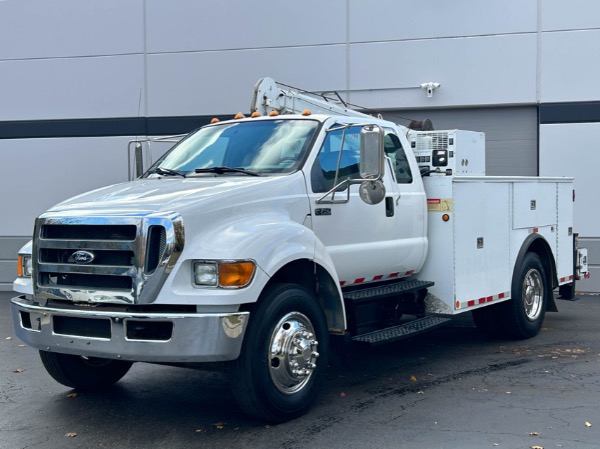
(372, 192)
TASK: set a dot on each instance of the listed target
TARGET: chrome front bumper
(141, 337)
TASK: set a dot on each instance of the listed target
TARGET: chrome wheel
(533, 294)
(292, 353)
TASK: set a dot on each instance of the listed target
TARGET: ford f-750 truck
(262, 242)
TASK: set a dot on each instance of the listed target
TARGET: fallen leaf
(537, 447)
(588, 424)
(413, 378)
(534, 434)
(9, 338)
(72, 395)
(420, 392)
(198, 430)
(219, 425)
(18, 370)
(267, 426)
(71, 434)
(21, 346)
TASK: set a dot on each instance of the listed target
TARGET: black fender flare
(538, 244)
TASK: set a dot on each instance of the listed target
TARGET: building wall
(78, 80)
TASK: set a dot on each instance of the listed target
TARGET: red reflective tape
(489, 299)
(342, 283)
(587, 275)
(535, 230)
(562, 279)
(378, 277)
(394, 275)
(481, 300)
(408, 273)
(501, 295)
(359, 280)
(571, 277)
(470, 303)
(434, 201)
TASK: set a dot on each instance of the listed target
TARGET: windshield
(262, 146)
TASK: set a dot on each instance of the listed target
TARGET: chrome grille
(105, 259)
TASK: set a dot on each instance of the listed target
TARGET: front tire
(283, 360)
(83, 372)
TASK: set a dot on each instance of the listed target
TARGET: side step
(374, 293)
(402, 331)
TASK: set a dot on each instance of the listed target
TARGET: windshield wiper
(167, 172)
(222, 170)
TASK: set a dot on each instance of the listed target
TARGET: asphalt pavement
(450, 388)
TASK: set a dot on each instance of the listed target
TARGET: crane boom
(268, 96)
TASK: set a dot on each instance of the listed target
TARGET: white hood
(194, 196)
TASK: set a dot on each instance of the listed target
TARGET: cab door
(365, 241)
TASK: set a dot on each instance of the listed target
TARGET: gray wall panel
(72, 87)
(8, 273)
(63, 28)
(187, 25)
(569, 66)
(221, 82)
(571, 15)
(56, 170)
(592, 284)
(593, 247)
(572, 150)
(405, 19)
(472, 71)
(510, 133)
(10, 246)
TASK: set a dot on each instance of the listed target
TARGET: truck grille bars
(120, 259)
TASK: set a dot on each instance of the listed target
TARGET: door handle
(389, 206)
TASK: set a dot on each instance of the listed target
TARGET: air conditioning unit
(450, 152)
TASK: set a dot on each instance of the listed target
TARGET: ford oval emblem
(83, 257)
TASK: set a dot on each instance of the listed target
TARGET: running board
(402, 331)
(374, 293)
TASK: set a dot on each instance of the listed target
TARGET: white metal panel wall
(51, 170)
(404, 19)
(221, 82)
(472, 71)
(571, 15)
(189, 25)
(572, 150)
(64, 88)
(569, 66)
(64, 28)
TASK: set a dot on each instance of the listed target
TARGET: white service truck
(262, 242)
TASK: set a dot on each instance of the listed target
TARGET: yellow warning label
(439, 205)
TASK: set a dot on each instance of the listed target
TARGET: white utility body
(267, 243)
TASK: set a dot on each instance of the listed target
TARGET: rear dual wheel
(522, 316)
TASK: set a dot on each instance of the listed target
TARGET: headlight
(206, 274)
(24, 265)
(224, 274)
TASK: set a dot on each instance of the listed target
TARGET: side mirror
(371, 152)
